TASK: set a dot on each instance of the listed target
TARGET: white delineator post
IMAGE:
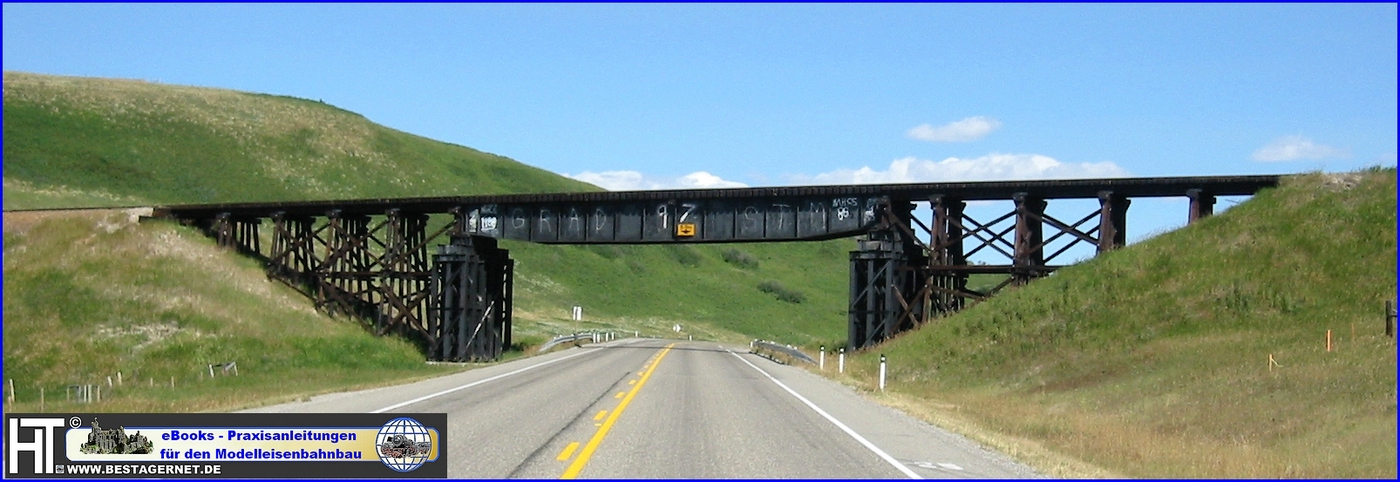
(841, 360)
(882, 372)
(821, 359)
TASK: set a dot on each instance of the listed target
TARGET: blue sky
(701, 95)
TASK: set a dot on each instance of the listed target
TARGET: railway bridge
(372, 258)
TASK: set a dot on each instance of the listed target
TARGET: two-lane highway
(645, 408)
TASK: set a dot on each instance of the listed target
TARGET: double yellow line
(592, 445)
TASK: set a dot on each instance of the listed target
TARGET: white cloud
(1294, 148)
(991, 167)
(636, 181)
(969, 129)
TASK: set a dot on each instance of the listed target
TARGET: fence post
(821, 362)
(841, 360)
(1389, 319)
(882, 372)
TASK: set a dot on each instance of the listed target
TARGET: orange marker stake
(1329, 341)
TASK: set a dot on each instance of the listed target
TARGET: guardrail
(591, 336)
(759, 347)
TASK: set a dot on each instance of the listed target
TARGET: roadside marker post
(821, 359)
(841, 360)
(882, 372)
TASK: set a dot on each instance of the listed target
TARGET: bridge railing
(770, 350)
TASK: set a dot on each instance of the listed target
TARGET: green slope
(90, 295)
(1153, 361)
(85, 142)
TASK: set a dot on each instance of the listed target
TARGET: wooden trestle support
(899, 280)
(377, 269)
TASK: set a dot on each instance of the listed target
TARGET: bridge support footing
(471, 290)
(887, 295)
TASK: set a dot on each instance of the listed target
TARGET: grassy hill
(91, 294)
(86, 142)
(1153, 361)
(123, 303)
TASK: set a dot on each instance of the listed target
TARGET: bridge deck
(709, 215)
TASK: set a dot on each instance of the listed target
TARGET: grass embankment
(89, 294)
(1153, 361)
(86, 142)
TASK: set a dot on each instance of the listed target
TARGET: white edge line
(478, 382)
(833, 420)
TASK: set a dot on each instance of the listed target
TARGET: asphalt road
(646, 408)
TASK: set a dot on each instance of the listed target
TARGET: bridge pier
(1113, 221)
(889, 290)
(948, 286)
(1028, 261)
(471, 287)
(403, 274)
(344, 278)
(236, 232)
(875, 275)
(1202, 205)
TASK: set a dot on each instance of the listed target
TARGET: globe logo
(403, 444)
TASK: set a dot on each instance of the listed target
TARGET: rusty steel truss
(369, 258)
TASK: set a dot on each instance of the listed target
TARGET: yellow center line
(602, 432)
(568, 451)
